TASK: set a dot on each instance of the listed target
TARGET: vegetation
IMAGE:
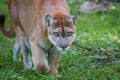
(95, 54)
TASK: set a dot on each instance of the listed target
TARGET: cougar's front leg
(53, 58)
(40, 62)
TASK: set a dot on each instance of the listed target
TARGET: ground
(95, 54)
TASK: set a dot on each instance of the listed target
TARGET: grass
(98, 35)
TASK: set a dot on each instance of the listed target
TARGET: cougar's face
(61, 32)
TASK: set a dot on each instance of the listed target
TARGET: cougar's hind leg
(16, 51)
(16, 24)
(23, 48)
(26, 56)
(25, 53)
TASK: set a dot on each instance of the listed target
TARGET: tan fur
(34, 29)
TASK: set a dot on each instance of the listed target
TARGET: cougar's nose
(64, 43)
(64, 46)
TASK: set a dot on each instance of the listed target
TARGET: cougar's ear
(49, 20)
(72, 18)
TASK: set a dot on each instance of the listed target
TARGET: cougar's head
(61, 30)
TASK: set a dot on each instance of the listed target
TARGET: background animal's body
(42, 26)
(92, 6)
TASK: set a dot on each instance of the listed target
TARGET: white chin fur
(61, 49)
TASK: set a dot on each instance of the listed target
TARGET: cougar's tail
(8, 33)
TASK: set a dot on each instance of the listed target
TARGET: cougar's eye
(69, 33)
(56, 34)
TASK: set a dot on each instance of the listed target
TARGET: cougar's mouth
(63, 49)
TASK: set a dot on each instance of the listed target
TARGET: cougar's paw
(28, 63)
(55, 73)
(58, 75)
(42, 68)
